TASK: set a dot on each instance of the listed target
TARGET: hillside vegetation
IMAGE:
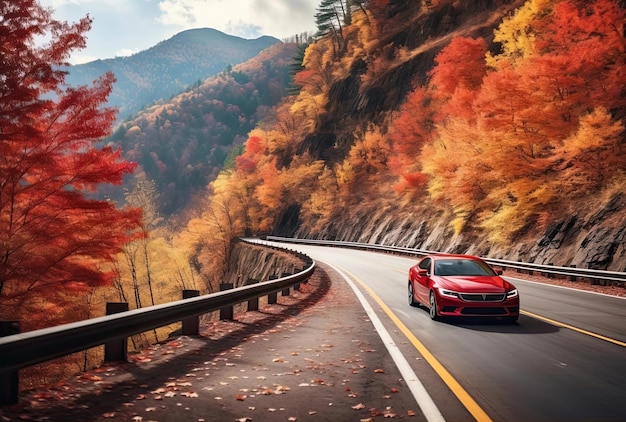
(490, 127)
(168, 68)
(182, 144)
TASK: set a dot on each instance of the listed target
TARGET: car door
(422, 280)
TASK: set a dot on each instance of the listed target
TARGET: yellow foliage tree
(302, 178)
(323, 201)
(370, 153)
(517, 33)
(594, 154)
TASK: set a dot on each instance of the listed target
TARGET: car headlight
(511, 294)
(448, 293)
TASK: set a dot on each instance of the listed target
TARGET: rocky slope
(248, 261)
(595, 237)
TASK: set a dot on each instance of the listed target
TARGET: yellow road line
(571, 327)
(470, 404)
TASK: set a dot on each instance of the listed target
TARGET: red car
(461, 285)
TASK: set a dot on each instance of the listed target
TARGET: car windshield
(463, 267)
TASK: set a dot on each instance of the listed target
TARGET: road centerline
(573, 328)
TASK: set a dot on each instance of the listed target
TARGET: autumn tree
(54, 238)
(323, 202)
(144, 196)
(517, 33)
(518, 145)
(225, 215)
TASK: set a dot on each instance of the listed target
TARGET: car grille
(482, 297)
(483, 311)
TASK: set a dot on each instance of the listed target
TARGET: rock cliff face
(594, 237)
(592, 240)
(248, 261)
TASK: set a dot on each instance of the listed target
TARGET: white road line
(424, 401)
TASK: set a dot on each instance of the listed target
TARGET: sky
(125, 27)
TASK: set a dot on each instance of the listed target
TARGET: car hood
(482, 284)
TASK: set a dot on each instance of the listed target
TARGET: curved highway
(565, 360)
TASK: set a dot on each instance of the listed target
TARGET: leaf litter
(326, 367)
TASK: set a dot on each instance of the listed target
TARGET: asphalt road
(313, 356)
(348, 347)
(565, 360)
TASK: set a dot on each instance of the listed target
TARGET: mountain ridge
(169, 67)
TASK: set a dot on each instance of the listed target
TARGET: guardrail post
(191, 325)
(272, 298)
(226, 313)
(307, 264)
(116, 350)
(573, 277)
(285, 291)
(253, 304)
(9, 380)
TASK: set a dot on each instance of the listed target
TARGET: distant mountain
(182, 143)
(169, 67)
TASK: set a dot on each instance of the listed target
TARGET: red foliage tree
(247, 162)
(461, 64)
(54, 239)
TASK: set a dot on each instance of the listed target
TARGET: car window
(425, 264)
(463, 267)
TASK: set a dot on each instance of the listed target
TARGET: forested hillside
(489, 127)
(182, 144)
(168, 68)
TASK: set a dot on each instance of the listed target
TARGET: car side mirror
(499, 272)
(422, 271)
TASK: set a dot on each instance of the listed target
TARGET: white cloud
(82, 58)
(124, 52)
(122, 27)
(244, 18)
(178, 12)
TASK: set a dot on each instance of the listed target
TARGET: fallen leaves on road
(325, 369)
(190, 394)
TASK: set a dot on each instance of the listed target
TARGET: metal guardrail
(26, 349)
(549, 270)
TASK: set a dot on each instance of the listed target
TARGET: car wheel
(412, 301)
(434, 315)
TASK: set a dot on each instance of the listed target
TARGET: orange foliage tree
(512, 137)
(409, 131)
(54, 240)
(536, 104)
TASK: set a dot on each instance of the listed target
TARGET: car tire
(412, 301)
(432, 311)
